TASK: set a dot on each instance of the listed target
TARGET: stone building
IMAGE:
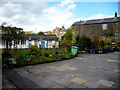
(107, 27)
(59, 32)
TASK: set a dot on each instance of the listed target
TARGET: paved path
(84, 71)
(6, 83)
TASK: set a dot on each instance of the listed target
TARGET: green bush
(66, 56)
(83, 41)
(46, 54)
(34, 50)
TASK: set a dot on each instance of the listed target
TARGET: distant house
(59, 32)
(48, 33)
(108, 27)
(43, 41)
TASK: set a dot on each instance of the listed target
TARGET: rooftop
(98, 21)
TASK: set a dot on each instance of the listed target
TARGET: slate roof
(97, 21)
(41, 37)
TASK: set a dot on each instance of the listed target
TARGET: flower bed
(33, 55)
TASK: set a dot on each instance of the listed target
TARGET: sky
(45, 16)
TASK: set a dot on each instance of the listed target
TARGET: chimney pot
(115, 14)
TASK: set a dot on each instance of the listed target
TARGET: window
(36, 42)
(104, 26)
(117, 34)
(0, 42)
(17, 42)
(3, 42)
(23, 42)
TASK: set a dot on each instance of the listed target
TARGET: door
(30, 43)
(42, 44)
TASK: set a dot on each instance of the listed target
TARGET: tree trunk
(6, 44)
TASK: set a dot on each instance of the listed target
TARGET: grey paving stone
(63, 82)
(53, 78)
(91, 84)
(83, 71)
(93, 67)
(57, 86)
(6, 83)
(21, 71)
(18, 80)
(102, 86)
(105, 83)
(45, 83)
(75, 85)
(45, 74)
(36, 79)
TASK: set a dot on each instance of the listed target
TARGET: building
(43, 41)
(48, 33)
(107, 27)
(59, 32)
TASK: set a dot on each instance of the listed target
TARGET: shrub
(51, 59)
(83, 41)
(34, 50)
(46, 54)
(66, 55)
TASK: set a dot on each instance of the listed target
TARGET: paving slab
(91, 84)
(87, 70)
(6, 83)
(75, 85)
(57, 86)
(78, 80)
(63, 82)
(18, 80)
(53, 78)
(105, 83)
(45, 83)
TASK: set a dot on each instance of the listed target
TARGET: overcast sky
(45, 16)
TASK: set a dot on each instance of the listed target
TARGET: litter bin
(74, 50)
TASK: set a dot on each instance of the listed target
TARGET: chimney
(115, 14)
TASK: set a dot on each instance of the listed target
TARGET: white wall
(22, 46)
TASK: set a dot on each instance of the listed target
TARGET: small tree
(96, 36)
(11, 34)
(68, 39)
(40, 33)
(83, 41)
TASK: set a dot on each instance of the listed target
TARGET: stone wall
(88, 30)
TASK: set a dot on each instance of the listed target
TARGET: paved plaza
(84, 71)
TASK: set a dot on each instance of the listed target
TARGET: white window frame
(104, 26)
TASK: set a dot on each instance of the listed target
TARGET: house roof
(41, 37)
(97, 21)
(38, 37)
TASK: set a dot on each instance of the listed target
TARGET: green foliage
(29, 32)
(46, 54)
(12, 34)
(66, 55)
(40, 33)
(83, 41)
(29, 56)
(73, 36)
(34, 50)
(68, 38)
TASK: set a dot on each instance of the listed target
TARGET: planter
(118, 50)
(91, 51)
